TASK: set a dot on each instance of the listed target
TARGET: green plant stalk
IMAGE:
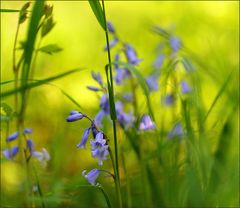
(117, 178)
(15, 71)
(106, 196)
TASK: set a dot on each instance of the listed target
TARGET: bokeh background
(209, 28)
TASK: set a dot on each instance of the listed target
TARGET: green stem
(39, 187)
(113, 119)
(106, 196)
(15, 71)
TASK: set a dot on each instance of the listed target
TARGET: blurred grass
(208, 28)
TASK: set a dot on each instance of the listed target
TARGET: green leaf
(50, 49)
(97, 10)
(37, 83)
(9, 10)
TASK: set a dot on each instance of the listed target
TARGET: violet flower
(131, 55)
(152, 82)
(42, 157)
(99, 148)
(85, 136)
(27, 131)
(74, 116)
(91, 176)
(12, 137)
(185, 87)
(146, 123)
(175, 43)
(177, 131)
(111, 44)
(110, 27)
(10, 153)
(96, 89)
(97, 77)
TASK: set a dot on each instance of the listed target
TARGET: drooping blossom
(185, 87)
(177, 131)
(111, 44)
(131, 55)
(10, 153)
(91, 176)
(175, 43)
(110, 27)
(146, 123)
(97, 77)
(74, 116)
(12, 137)
(99, 148)
(27, 131)
(42, 157)
(126, 120)
(85, 136)
(152, 82)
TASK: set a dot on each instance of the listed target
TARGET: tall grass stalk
(112, 108)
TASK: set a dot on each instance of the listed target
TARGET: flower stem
(106, 196)
(116, 168)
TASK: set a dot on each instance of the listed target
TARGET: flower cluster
(99, 146)
(29, 150)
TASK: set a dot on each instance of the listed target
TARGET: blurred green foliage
(209, 29)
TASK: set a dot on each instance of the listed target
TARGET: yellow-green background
(209, 28)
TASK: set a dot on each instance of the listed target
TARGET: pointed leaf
(50, 49)
(97, 10)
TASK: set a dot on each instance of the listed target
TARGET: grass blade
(9, 10)
(31, 38)
(219, 94)
(37, 83)
(97, 10)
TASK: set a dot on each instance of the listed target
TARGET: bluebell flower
(168, 99)
(120, 75)
(99, 117)
(177, 131)
(12, 137)
(91, 176)
(73, 112)
(110, 27)
(111, 44)
(104, 104)
(10, 153)
(175, 43)
(75, 116)
(97, 77)
(85, 136)
(152, 82)
(185, 87)
(30, 145)
(125, 120)
(159, 61)
(42, 157)
(27, 131)
(146, 123)
(131, 55)
(99, 148)
(96, 89)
